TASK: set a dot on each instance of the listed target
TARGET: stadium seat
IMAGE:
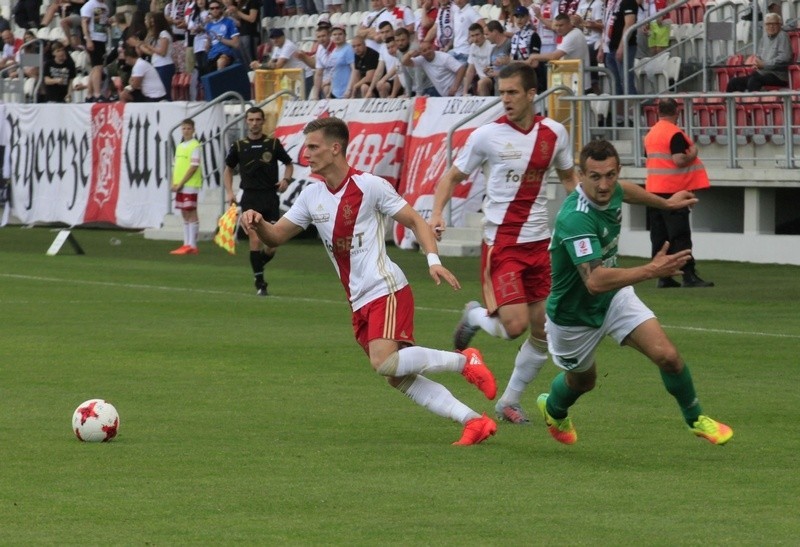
(794, 77)
(57, 34)
(180, 86)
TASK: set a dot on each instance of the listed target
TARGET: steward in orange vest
(672, 166)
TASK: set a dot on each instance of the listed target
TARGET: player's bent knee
(386, 366)
(669, 360)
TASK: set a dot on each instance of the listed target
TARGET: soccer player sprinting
(591, 297)
(519, 149)
(350, 210)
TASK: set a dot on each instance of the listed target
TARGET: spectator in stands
(506, 17)
(333, 6)
(158, 46)
(366, 61)
(589, 19)
(94, 23)
(342, 64)
(322, 73)
(445, 72)
(425, 18)
(59, 71)
(285, 55)
(499, 57)
(398, 16)
(10, 48)
(196, 26)
(27, 13)
(672, 166)
(246, 17)
(5, 24)
(145, 84)
(175, 13)
(543, 15)
(402, 39)
(385, 32)
(389, 86)
(368, 28)
(452, 28)
(70, 23)
(620, 15)
(572, 46)
(480, 51)
(771, 64)
(126, 8)
(224, 38)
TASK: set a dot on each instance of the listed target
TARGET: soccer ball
(95, 421)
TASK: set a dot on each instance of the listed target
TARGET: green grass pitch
(259, 421)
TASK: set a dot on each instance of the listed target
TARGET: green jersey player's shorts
(573, 348)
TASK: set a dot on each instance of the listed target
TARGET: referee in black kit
(257, 157)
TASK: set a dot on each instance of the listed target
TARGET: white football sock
(186, 233)
(194, 228)
(419, 360)
(436, 398)
(527, 364)
(489, 323)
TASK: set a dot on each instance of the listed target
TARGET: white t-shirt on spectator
(441, 71)
(462, 19)
(591, 10)
(287, 51)
(574, 46)
(151, 82)
(156, 59)
(479, 56)
(97, 13)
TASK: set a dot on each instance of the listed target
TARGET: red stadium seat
(794, 77)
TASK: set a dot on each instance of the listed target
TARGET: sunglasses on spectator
(214, 7)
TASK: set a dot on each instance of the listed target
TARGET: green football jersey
(583, 232)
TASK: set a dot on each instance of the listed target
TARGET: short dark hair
(495, 26)
(332, 128)
(402, 31)
(385, 24)
(254, 110)
(562, 17)
(598, 150)
(525, 71)
(188, 121)
(475, 26)
(667, 107)
(130, 51)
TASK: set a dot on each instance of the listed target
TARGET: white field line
(324, 301)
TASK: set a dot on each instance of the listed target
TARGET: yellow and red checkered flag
(226, 230)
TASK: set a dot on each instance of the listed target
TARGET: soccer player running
(520, 148)
(592, 298)
(350, 210)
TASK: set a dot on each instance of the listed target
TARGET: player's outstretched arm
(444, 191)
(411, 219)
(599, 279)
(272, 235)
(636, 195)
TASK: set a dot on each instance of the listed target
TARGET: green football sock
(681, 387)
(561, 397)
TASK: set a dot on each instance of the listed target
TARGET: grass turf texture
(252, 420)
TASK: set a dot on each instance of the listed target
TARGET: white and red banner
(426, 157)
(109, 163)
(378, 129)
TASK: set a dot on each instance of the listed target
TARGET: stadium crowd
(142, 50)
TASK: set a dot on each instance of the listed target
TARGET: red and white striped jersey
(515, 207)
(351, 221)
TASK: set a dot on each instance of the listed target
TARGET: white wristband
(433, 260)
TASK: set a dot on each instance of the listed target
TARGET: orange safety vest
(663, 176)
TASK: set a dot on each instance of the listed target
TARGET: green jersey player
(591, 297)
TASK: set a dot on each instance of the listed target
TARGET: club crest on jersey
(347, 213)
(544, 147)
(266, 157)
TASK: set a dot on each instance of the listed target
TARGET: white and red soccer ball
(95, 421)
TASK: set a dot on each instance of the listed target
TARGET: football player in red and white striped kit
(519, 148)
(350, 210)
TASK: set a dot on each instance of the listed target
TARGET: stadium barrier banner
(426, 157)
(378, 129)
(111, 162)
